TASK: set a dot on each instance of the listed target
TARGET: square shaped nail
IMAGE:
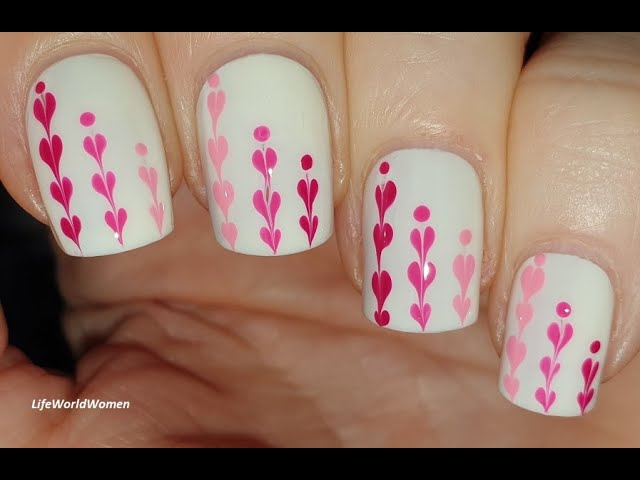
(422, 238)
(98, 156)
(557, 331)
(266, 154)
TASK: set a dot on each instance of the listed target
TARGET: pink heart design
(381, 286)
(382, 318)
(531, 281)
(511, 385)
(218, 153)
(385, 198)
(265, 235)
(157, 213)
(545, 367)
(516, 351)
(45, 154)
(524, 312)
(68, 229)
(215, 104)
(541, 397)
(230, 233)
(463, 268)
(223, 195)
(260, 205)
(461, 308)
(56, 193)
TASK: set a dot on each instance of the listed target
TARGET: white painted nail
(98, 157)
(423, 221)
(266, 154)
(557, 332)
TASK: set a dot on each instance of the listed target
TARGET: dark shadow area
(28, 289)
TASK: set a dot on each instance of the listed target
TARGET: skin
(210, 355)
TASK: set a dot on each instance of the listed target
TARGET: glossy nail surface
(422, 237)
(266, 155)
(98, 157)
(557, 332)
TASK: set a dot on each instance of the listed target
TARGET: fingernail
(98, 157)
(422, 239)
(266, 154)
(557, 333)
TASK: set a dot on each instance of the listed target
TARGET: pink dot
(563, 309)
(141, 149)
(595, 347)
(87, 119)
(384, 168)
(539, 259)
(421, 213)
(465, 237)
(307, 162)
(40, 86)
(214, 80)
(261, 133)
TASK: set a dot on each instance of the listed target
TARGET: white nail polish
(98, 157)
(266, 153)
(556, 337)
(422, 235)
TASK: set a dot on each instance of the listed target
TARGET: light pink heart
(230, 233)
(531, 281)
(516, 351)
(524, 312)
(223, 195)
(461, 307)
(511, 385)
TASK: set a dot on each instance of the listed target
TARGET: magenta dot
(422, 213)
(307, 162)
(87, 119)
(141, 149)
(465, 237)
(384, 168)
(40, 86)
(539, 259)
(214, 80)
(595, 347)
(563, 309)
(261, 133)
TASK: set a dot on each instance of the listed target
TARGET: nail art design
(50, 151)
(421, 273)
(308, 190)
(417, 220)
(589, 369)
(559, 334)
(149, 177)
(463, 268)
(218, 148)
(266, 201)
(573, 305)
(531, 281)
(382, 236)
(96, 106)
(277, 103)
(104, 183)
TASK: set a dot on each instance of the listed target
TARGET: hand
(216, 348)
